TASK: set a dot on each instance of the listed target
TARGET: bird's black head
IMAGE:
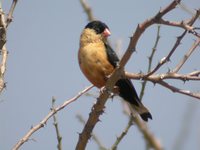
(98, 26)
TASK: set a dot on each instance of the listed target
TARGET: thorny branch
(135, 119)
(159, 79)
(55, 123)
(4, 22)
(88, 10)
(47, 117)
(186, 56)
(94, 137)
(10, 14)
(122, 135)
(177, 43)
(150, 61)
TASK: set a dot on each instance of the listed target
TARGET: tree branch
(186, 56)
(55, 123)
(185, 127)
(87, 10)
(122, 135)
(47, 117)
(94, 137)
(10, 14)
(150, 61)
(149, 137)
(4, 22)
(3, 48)
(177, 90)
(177, 43)
(159, 79)
(131, 118)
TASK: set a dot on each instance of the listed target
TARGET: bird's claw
(104, 89)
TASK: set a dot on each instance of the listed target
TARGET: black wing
(112, 56)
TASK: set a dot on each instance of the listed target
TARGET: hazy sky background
(43, 42)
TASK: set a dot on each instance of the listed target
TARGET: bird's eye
(98, 30)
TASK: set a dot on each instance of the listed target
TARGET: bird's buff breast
(94, 64)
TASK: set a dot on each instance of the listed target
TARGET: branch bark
(4, 23)
(186, 56)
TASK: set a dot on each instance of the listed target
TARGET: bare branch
(167, 58)
(122, 135)
(177, 43)
(10, 14)
(55, 123)
(3, 31)
(186, 9)
(2, 28)
(160, 80)
(134, 119)
(87, 10)
(94, 137)
(3, 48)
(194, 73)
(157, 77)
(150, 61)
(186, 56)
(46, 118)
(3, 67)
(185, 127)
(181, 24)
(149, 137)
(177, 90)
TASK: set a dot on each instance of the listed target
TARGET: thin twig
(149, 137)
(159, 79)
(47, 117)
(186, 56)
(148, 143)
(150, 61)
(122, 135)
(177, 90)
(185, 127)
(181, 24)
(185, 8)
(10, 14)
(55, 123)
(87, 10)
(167, 58)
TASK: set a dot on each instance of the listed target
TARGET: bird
(97, 61)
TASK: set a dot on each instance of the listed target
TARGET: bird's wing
(112, 56)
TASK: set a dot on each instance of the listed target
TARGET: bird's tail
(128, 93)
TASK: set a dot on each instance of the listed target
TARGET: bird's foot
(104, 89)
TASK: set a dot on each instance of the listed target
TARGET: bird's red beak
(106, 32)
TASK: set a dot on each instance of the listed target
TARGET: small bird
(98, 60)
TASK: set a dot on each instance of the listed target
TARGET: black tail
(128, 93)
